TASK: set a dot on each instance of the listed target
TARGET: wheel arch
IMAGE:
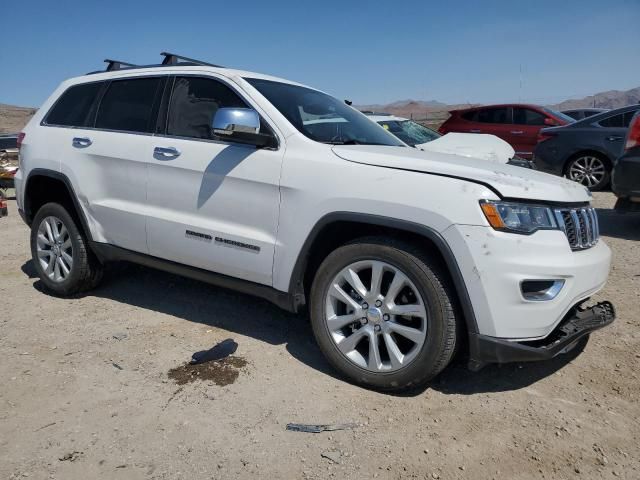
(43, 186)
(338, 228)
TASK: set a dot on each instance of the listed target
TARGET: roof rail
(116, 64)
(174, 59)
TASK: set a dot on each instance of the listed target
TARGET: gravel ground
(86, 392)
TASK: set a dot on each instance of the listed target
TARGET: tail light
(633, 137)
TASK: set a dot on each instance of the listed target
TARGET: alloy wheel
(588, 170)
(55, 251)
(376, 316)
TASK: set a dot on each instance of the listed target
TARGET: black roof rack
(174, 59)
(116, 64)
(170, 60)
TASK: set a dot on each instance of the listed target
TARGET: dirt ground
(85, 390)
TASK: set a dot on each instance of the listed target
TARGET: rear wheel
(382, 314)
(590, 170)
(60, 252)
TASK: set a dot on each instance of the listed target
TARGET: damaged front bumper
(578, 323)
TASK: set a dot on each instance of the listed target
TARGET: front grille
(580, 225)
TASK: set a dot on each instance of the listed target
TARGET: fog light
(541, 290)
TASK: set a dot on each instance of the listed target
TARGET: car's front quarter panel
(316, 183)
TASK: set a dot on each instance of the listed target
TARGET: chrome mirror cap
(228, 121)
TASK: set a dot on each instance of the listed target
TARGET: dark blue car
(585, 151)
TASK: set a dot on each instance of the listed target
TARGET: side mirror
(240, 125)
(550, 122)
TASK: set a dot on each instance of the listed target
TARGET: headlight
(518, 217)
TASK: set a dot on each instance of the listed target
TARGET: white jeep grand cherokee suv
(228, 177)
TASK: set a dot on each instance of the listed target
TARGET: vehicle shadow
(252, 317)
(619, 225)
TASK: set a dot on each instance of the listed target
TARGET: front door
(211, 204)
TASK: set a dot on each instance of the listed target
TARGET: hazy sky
(451, 51)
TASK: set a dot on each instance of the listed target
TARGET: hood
(476, 145)
(510, 181)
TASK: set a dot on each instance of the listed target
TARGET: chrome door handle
(475, 131)
(613, 138)
(165, 153)
(517, 132)
(81, 142)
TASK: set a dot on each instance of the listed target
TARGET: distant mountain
(435, 111)
(610, 99)
(13, 118)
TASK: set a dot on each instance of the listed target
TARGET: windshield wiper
(345, 142)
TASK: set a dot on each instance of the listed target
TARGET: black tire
(432, 281)
(606, 179)
(86, 272)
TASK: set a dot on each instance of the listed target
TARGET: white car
(279, 190)
(481, 146)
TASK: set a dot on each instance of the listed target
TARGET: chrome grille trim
(580, 225)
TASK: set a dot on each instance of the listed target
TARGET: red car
(516, 124)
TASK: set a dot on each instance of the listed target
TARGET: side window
(617, 121)
(526, 116)
(128, 105)
(471, 116)
(627, 119)
(74, 106)
(194, 102)
(494, 115)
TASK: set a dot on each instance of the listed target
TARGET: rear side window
(494, 115)
(526, 116)
(621, 120)
(128, 105)
(73, 108)
(472, 116)
(194, 102)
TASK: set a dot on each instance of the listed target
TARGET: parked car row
(585, 151)
(580, 144)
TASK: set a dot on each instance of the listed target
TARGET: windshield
(409, 132)
(560, 115)
(321, 117)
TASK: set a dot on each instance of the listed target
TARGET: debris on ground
(70, 457)
(217, 352)
(120, 336)
(333, 457)
(308, 428)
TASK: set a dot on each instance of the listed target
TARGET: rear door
(212, 204)
(106, 153)
(614, 131)
(527, 123)
(493, 120)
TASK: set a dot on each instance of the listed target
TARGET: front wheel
(61, 253)
(590, 170)
(382, 313)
